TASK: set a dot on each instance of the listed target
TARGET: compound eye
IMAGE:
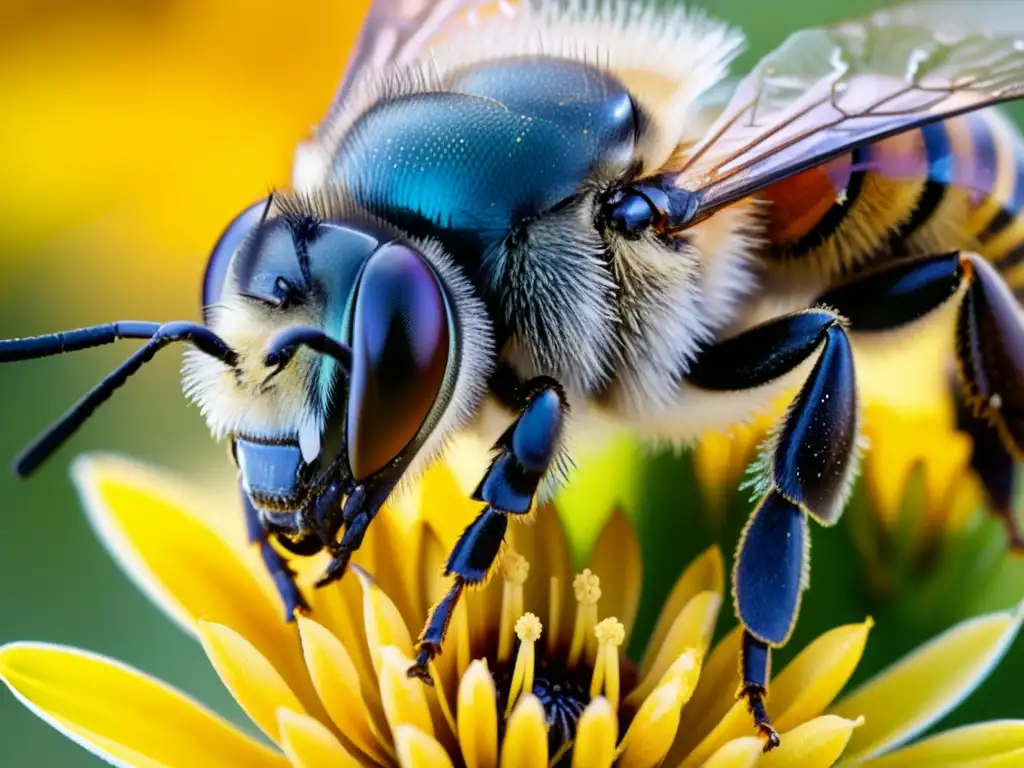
(400, 339)
(629, 212)
(220, 256)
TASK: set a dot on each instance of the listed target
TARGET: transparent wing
(395, 31)
(826, 91)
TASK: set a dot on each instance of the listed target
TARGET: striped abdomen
(953, 184)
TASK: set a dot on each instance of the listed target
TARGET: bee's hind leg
(997, 470)
(525, 452)
(809, 462)
(989, 352)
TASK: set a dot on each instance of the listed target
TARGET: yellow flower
(534, 670)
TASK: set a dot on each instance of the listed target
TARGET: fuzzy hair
(628, 328)
(236, 401)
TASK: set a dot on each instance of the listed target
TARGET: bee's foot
(770, 736)
(419, 669)
(754, 694)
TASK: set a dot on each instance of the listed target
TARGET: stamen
(610, 634)
(528, 629)
(587, 587)
(515, 569)
(554, 614)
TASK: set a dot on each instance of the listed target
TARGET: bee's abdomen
(954, 184)
(995, 211)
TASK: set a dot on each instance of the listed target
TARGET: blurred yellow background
(131, 131)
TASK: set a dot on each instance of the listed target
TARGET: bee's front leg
(280, 572)
(806, 469)
(525, 452)
(360, 509)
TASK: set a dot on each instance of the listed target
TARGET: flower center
(564, 680)
(564, 696)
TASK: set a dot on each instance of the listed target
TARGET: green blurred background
(130, 132)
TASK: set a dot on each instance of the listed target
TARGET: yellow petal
(168, 546)
(391, 545)
(815, 677)
(404, 698)
(251, 679)
(309, 744)
(654, 728)
(692, 630)
(417, 749)
(706, 573)
(337, 682)
(801, 691)
(616, 560)
(526, 735)
(738, 753)
(714, 697)
(120, 714)
(1013, 759)
(338, 607)
(596, 735)
(433, 584)
(384, 624)
(817, 743)
(908, 697)
(442, 499)
(478, 717)
(979, 744)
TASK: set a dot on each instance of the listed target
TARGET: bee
(519, 220)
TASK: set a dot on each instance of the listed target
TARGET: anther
(515, 569)
(528, 630)
(610, 635)
(587, 587)
(610, 631)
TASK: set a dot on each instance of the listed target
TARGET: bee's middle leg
(807, 467)
(525, 452)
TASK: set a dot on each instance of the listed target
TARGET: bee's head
(350, 348)
(329, 343)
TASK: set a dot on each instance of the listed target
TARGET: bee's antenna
(13, 350)
(283, 346)
(159, 337)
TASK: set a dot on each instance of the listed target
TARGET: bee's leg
(807, 468)
(755, 669)
(989, 347)
(360, 508)
(997, 470)
(283, 576)
(525, 452)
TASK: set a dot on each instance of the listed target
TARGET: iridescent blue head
(349, 342)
